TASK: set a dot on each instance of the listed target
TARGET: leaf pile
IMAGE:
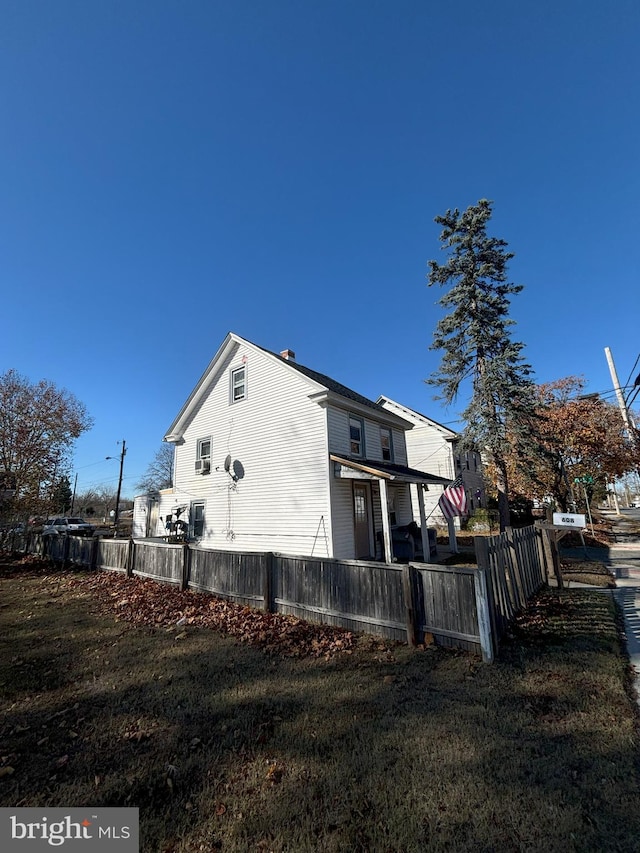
(147, 602)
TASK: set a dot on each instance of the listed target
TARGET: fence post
(484, 563)
(65, 549)
(409, 589)
(516, 571)
(186, 565)
(551, 554)
(93, 557)
(130, 557)
(542, 557)
(484, 614)
(267, 581)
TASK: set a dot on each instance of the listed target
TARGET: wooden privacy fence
(515, 567)
(461, 606)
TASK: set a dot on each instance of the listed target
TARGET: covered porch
(387, 479)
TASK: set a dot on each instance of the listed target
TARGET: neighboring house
(273, 456)
(432, 446)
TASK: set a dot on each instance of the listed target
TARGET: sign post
(587, 480)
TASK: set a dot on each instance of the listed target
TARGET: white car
(72, 526)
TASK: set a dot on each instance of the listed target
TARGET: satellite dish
(227, 463)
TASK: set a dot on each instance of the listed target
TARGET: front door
(361, 524)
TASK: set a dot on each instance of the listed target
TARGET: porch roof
(390, 471)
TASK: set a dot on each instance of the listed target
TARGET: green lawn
(230, 743)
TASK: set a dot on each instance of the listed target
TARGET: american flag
(453, 501)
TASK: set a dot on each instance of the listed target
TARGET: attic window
(238, 384)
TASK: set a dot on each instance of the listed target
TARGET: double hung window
(203, 456)
(204, 449)
(386, 443)
(238, 384)
(356, 436)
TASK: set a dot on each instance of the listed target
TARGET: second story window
(238, 384)
(387, 444)
(356, 436)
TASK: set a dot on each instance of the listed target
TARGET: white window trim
(360, 421)
(232, 384)
(389, 431)
(192, 507)
(199, 448)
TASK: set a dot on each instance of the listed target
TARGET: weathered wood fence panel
(448, 604)
(228, 574)
(462, 606)
(359, 596)
(159, 561)
(111, 554)
(80, 551)
(57, 548)
(515, 569)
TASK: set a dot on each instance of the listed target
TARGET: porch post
(386, 530)
(426, 552)
(453, 541)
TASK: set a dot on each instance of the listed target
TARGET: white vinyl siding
(429, 449)
(342, 518)
(279, 438)
(340, 438)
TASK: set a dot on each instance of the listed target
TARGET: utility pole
(73, 498)
(630, 426)
(117, 511)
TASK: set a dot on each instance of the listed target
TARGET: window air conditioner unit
(203, 466)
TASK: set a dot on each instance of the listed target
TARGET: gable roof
(418, 417)
(329, 383)
(323, 388)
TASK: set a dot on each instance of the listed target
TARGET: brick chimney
(288, 355)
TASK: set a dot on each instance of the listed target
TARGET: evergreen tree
(476, 342)
(61, 496)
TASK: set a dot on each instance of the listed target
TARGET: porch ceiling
(389, 471)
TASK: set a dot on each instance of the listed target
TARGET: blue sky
(171, 171)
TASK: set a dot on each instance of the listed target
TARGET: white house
(273, 456)
(433, 446)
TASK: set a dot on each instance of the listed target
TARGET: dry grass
(592, 572)
(225, 747)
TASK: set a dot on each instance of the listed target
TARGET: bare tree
(38, 425)
(159, 474)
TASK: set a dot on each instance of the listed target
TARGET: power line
(631, 372)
